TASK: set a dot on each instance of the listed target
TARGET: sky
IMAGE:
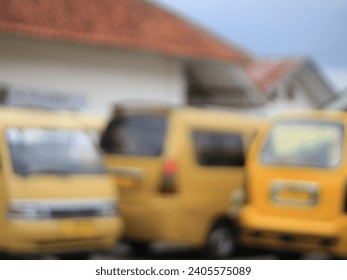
(273, 28)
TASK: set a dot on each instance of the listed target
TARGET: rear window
(218, 149)
(304, 143)
(139, 134)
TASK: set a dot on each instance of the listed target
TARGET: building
(78, 53)
(288, 84)
(280, 84)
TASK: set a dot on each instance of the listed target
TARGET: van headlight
(109, 209)
(26, 212)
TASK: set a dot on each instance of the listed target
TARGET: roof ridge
(273, 70)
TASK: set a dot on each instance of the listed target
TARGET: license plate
(78, 229)
(295, 192)
(297, 195)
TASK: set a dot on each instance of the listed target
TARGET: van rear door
(298, 173)
(134, 144)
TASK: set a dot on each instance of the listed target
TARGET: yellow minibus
(55, 195)
(297, 192)
(177, 170)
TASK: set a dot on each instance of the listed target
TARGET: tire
(221, 242)
(74, 256)
(140, 248)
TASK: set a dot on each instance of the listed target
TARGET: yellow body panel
(203, 193)
(63, 235)
(51, 235)
(298, 225)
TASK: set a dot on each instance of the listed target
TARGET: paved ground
(166, 252)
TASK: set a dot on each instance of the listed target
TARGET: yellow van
(177, 169)
(55, 194)
(297, 192)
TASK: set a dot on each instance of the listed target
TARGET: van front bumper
(291, 233)
(62, 235)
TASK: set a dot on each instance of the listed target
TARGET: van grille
(72, 213)
(46, 209)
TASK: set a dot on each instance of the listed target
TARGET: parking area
(170, 252)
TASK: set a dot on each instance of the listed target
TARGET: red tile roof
(266, 73)
(134, 24)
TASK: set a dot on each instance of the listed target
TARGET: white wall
(282, 103)
(105, 75)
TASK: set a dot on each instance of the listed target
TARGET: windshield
(141, 135)
(304, 143)
(37, 150)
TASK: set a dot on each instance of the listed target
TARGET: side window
(218, 149)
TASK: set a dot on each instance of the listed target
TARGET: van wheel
(221, 242)
(74, 256)
(140, 248)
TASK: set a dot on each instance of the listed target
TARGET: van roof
(193, 113)
(312, 114)
(35, 117)
(213, 112)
